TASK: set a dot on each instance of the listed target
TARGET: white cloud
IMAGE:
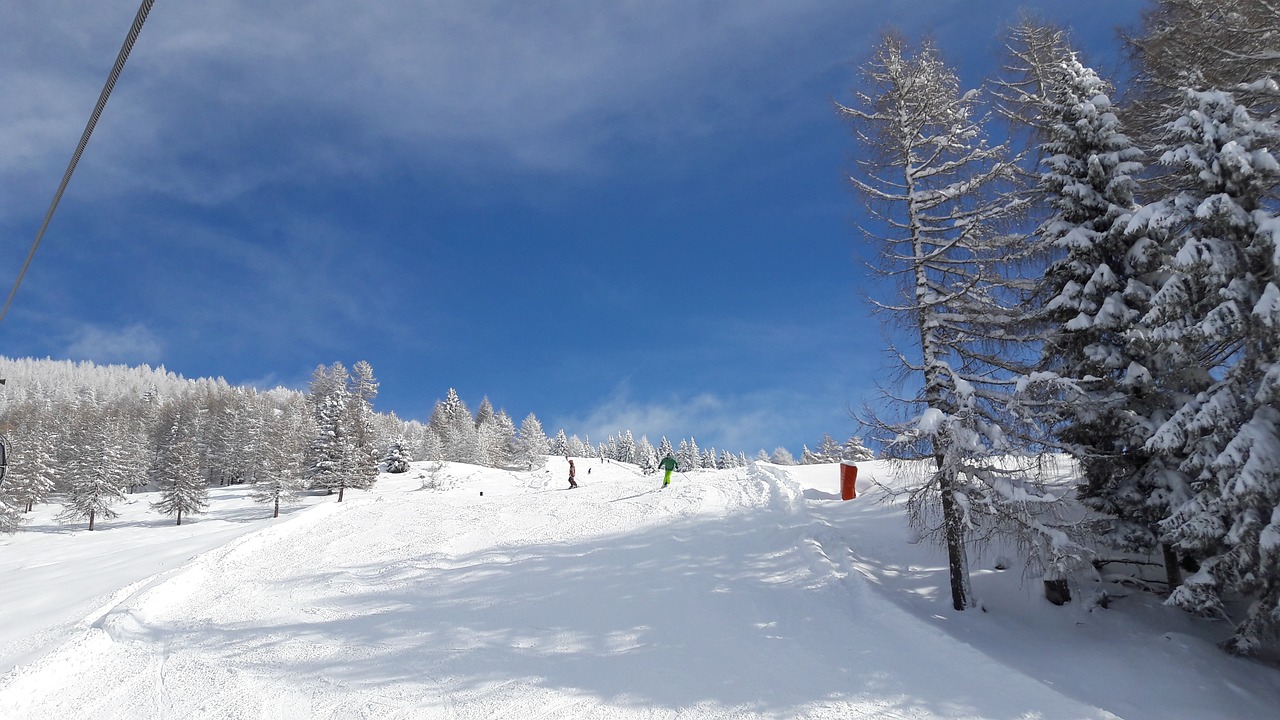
(740, 423)
(132, 344)
(328, 86)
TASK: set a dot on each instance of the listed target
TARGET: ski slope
(751, 593)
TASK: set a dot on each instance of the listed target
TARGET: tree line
(1078, 274)
(84, 436)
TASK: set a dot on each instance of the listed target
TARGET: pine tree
(175, 468)
(396, 459)
(364, 456)
(532, 445)
(728, 460)
(1093, 384)
(807, 456)
(32, 470)
(664, 448)
(95, 482)
(1220, 308)
(560, 444)
(627, 448)
(453, 422)
(829, 451)
(283, 470)
(645, 456)
(855, 451)
(343, 453)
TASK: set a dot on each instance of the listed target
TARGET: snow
(746, 593)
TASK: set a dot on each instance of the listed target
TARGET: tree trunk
(90, 519)
(179, 517)
(341, 489)
(957, 561)
(1173, 573)
(277, 513)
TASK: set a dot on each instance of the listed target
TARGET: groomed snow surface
(748, 593)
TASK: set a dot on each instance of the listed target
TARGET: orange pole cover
(848, 480)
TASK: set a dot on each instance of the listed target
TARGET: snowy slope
(750, 593)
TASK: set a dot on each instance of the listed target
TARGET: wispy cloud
(539, 87)
(738, 423)
(130, 344)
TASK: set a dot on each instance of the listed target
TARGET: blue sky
(616, 215)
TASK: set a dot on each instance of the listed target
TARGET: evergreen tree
(727, 461)
(175, 468)
(664, 448)
(829, 451)
(283, 469)
(454, 424)
(396, 459)
(363, 453)
(343, 453)
(32, 461)
(1219, 306)
(486, 440)
(627, 448)
(532, 445)
(560, 444)
(500, 436)
(645, 456)
(855, 451)
(327, 456)
(807, 456)
(94, 482)
(1093, 384)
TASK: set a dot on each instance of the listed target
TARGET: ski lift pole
(4, 452)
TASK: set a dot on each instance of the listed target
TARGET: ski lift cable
(84, 140)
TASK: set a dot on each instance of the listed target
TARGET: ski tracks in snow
(613, 601)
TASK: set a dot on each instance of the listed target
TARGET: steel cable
(84, 140)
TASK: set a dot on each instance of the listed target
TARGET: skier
(669, 464)
(572, 483)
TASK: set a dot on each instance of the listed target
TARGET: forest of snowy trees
(1078, 274)
(83, 436)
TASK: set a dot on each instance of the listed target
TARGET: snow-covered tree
(1219, 306)
(453, 422)
(782, 456)
(343, 454)
(94, 479)
(502, 439)
(664, 448)
(364, 457)
(626, 448)
(32, 471)
(286, 438)
(727, 460)
(396, 459)
(807, 456)
(855, 451)
(940, 193)
(176, 469)
(560, 444)
(532, 445)
(645, 456)
(1203, 45)
(1093, 385)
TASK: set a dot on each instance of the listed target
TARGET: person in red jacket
(572, 483)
